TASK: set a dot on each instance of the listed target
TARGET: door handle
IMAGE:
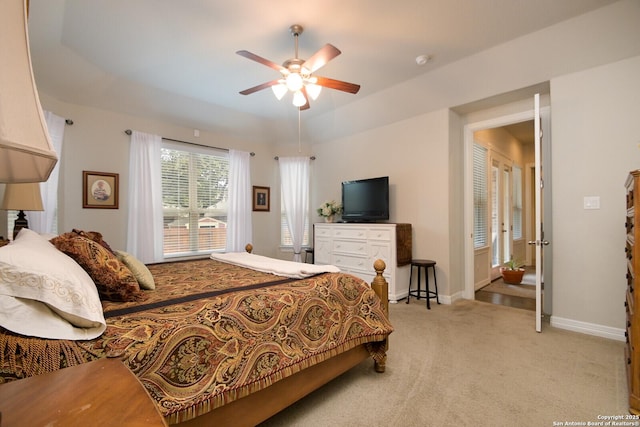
(538, 242)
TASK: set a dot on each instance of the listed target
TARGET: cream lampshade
(26, 152)
(22, 197)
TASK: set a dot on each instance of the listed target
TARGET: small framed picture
(261, 199)
(99, 190)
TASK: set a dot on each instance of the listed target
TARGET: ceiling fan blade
(306, 105)
(321, 57)
(338, 85)
(259, 87)
(261, 60)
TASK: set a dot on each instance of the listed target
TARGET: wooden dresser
(632, 303)
(355, 247)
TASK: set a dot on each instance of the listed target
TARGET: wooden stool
(307, 252)
(426, 264)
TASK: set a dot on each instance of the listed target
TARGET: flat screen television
(365, 200)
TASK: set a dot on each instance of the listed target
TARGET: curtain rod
(129, 131)
(278, 158)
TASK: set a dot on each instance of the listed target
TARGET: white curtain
(145, 235)
(239, 227)
(294, 178)
(44, 222)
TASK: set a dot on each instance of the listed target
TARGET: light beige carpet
(473, 364)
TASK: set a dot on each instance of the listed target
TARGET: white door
(539, 241)
(501, 189)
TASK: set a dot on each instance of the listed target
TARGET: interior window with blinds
(517, 202)
(194, 198)
(480, 197)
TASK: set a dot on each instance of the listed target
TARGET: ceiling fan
(297, 74)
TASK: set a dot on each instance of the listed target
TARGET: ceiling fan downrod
(296, 30)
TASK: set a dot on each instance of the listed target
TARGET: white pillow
(44, 293)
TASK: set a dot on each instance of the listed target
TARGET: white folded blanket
(295, 270)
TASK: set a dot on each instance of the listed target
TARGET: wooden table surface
(100, 393)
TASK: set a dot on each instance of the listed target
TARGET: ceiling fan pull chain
(299, 144)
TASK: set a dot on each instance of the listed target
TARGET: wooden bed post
(248, 247)
(380, 285)
(381, 288)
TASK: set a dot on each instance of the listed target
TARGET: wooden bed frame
(259, 406)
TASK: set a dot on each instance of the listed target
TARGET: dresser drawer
(357, 233)
(322, 231)
(322, 251)
(349, 262)
(352, 247)
(380, 250)
(380, 234)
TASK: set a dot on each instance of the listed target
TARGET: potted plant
(328, 210)
(512, 273)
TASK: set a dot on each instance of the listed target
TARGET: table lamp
(22, 197)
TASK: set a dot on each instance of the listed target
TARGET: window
(480, 194)
(285, 235)
(194, 199)
(517, 203)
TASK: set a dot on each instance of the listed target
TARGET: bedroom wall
(415, 155)
(595, 143)
(97, 142)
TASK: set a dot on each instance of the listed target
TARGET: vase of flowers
(328, 210)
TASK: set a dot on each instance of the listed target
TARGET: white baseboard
(588, 328)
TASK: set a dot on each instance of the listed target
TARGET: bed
(220, 341)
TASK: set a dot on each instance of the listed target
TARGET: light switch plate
(592, 202)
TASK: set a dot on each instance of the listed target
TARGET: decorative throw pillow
(95, 236)
(114, 280)
(139, 270)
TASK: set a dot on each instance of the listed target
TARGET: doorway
(500, 158)
(477, 275)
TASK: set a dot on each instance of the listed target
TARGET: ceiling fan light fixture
(313, 90)
(298, 99)
(296, 74)
(279, 90)
(294, 82)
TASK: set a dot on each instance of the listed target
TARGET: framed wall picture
(99, 190)
(261, 199)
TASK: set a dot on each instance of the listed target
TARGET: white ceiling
(175, 60)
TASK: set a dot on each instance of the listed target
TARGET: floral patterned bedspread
(212, 333)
